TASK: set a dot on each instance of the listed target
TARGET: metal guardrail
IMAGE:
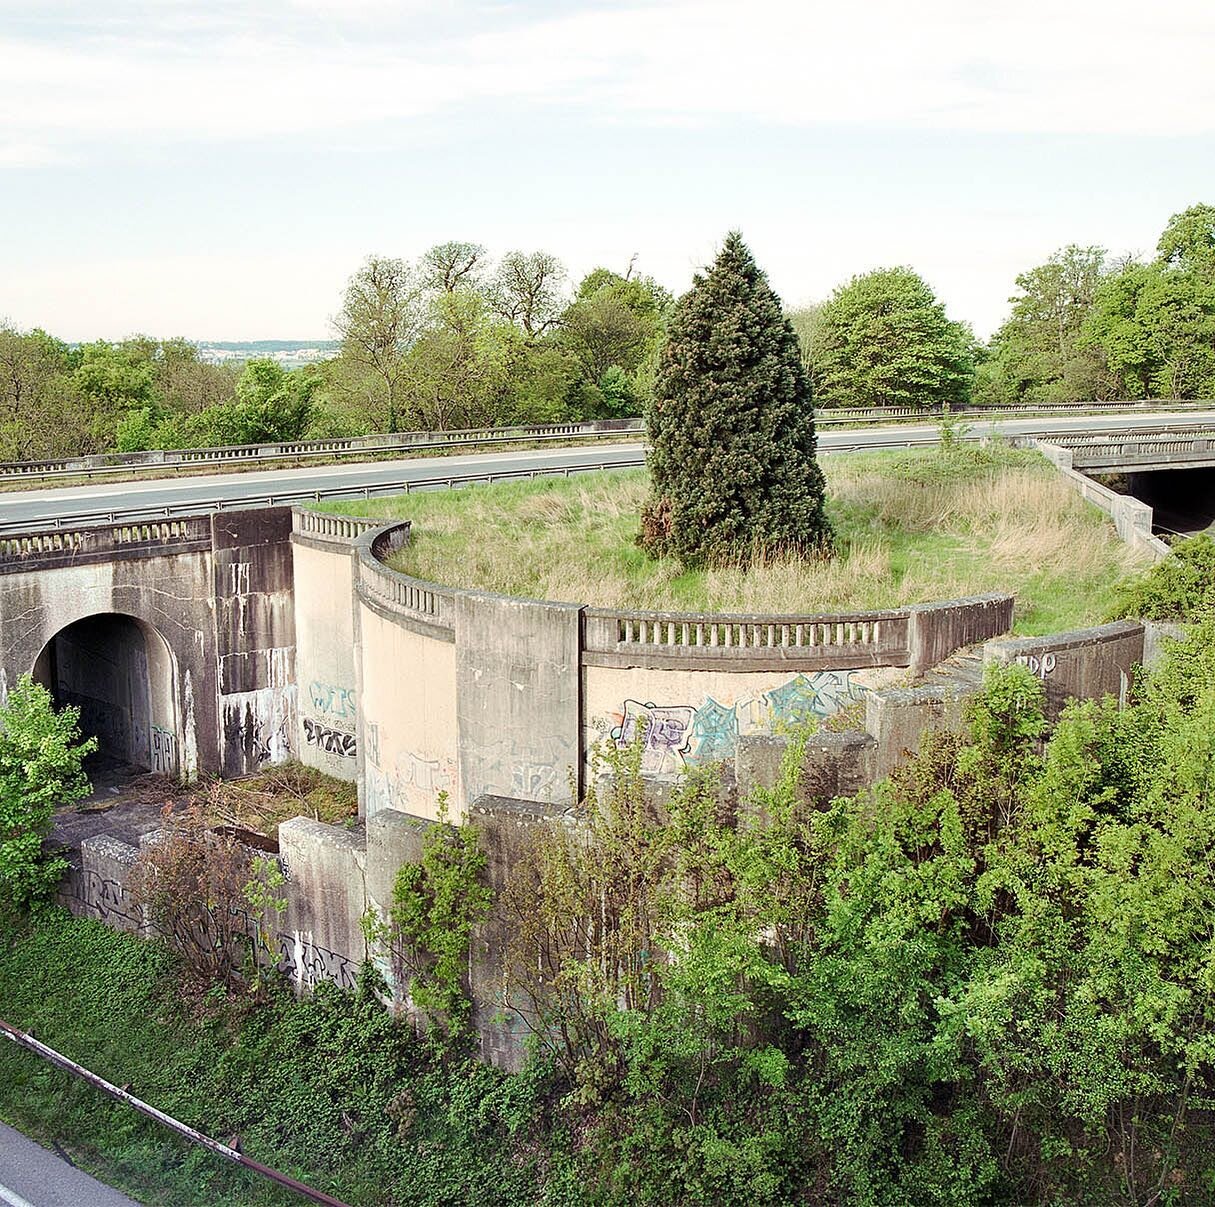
(107, 464)
(133, 512)
(24, 1040)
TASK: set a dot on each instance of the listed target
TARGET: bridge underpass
(119, 671)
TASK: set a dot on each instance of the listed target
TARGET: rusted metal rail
(25, 1040)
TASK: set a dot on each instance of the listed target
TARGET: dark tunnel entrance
(1182, 500)
(119, 672)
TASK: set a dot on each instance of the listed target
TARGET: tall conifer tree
(731, 427)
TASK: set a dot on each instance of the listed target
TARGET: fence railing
(103, 464)
(331, 526)
(873, 638)
(94, 543)
(430, 603)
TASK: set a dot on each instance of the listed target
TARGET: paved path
(256, 485)
(32, 1176)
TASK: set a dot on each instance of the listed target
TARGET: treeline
(457, 339)
(451, 340)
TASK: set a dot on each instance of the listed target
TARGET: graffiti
(87, 893)
(163, 756)
(533, 781)
(307, 963)
(677, 735)
(1039, 666)
(238, 578)
(334, 701)
(372, 735)
(331, 741)
(666, 734)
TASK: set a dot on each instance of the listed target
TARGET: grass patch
(911, 527)
(329, 1089)
(263, 801)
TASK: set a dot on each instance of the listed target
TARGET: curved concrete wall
(477, 694)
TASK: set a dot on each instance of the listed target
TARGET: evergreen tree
(731, 427)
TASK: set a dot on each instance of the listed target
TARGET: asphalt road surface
(256, 486)
(32, 1176)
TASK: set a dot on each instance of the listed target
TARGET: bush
(1177, 588)
(40, 771)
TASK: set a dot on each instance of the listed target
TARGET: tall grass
(910, 527)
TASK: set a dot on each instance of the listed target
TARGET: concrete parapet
(834, 764)
(1156, 637)
(938, 630)
(321, 932)
(898, 718)
(99, 884)
(1084, 664)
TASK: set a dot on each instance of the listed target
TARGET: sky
(219, 170)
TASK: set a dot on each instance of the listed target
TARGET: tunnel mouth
(119, 672)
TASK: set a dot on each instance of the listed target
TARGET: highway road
(32, 1176)
(22, 509)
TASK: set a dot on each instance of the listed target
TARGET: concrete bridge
(175, 638)
(1140, 452)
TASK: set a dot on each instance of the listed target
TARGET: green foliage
(1038, 355)
(883, 339)
(1178, 588)
(40, 771)
(330, 1088)
(436, 903)
(731, 428)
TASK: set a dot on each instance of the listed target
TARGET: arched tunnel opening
(119, 672)
(1182, 500)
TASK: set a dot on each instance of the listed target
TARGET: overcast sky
(217, 170)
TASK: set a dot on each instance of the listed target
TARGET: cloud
(70, 78)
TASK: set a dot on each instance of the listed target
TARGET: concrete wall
(408, 726)
(327, 696)
(212, 597)
(518, 695)
(696, 717)
(1085, 664)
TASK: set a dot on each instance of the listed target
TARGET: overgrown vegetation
(915, 526)
(41, 757)
(1179, 588)
(436, 903)
(262, 801)
(986, 980)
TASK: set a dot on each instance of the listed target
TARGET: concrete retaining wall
(1085, 664)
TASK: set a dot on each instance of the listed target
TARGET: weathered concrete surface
(518, 698)
(1084, 664)
(98, 883)
(834, 764)
(937, 630)
(1156, 637)
(898, 719)
(508, 829)
(321, 932)
(326, 656)
(408, 727)
(208, 683)
(255, 637)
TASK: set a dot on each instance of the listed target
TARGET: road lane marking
(12, 1198)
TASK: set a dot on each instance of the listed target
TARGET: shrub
(1177, 588)
(40, 771)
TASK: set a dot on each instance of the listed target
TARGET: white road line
(12, 1198)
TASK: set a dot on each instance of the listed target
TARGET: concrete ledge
(835, 764)
(898, 718)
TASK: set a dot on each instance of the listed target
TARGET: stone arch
(122, 674)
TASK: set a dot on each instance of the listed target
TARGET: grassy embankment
(911, 527)
(328, 1089)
